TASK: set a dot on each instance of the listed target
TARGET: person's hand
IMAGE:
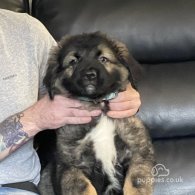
(52, 114)
(44, 114)
(126, 104)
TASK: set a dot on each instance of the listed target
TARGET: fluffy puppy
(107, 156)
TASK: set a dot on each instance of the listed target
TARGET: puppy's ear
(125, 58)
(54, 66)
(51, 72)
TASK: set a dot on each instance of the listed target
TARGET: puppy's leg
(45, 185)
(139, 180)
(128, 188)
(90, 189)
(74, 182)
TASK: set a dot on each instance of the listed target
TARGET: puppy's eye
(70, 60)
(73, 61)
(103, 59)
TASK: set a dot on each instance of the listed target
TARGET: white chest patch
(102, 136)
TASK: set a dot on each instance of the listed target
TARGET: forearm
(14, 132)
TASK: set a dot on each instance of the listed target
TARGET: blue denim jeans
(14, 191)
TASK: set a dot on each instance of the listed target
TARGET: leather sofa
(161, 36)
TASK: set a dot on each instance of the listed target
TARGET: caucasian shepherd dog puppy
(107, 156)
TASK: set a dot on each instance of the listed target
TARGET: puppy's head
(89, 65)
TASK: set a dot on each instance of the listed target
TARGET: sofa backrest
(155, 31)
(159, 34)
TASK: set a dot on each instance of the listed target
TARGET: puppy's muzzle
(90, 80)
(91, 75)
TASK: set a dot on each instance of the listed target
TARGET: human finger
(67, 102)
(128, 95)
(71, 112)
(77, 120)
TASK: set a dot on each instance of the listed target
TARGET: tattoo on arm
(11, 134)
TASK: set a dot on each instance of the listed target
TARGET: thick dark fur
(93, 65)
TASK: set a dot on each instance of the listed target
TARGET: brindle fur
(74, 169)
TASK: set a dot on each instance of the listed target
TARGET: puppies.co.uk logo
(160, 170)
(160, 174)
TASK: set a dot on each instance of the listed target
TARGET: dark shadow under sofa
(161, 36)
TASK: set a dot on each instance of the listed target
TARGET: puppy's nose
(91, 74)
